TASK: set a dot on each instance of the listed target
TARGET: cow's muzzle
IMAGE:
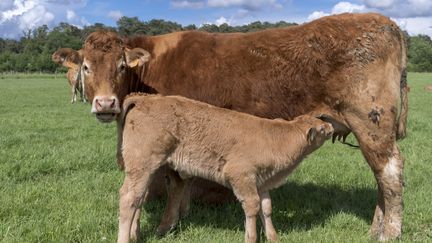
(106, 108)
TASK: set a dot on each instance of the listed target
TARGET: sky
(17, 16)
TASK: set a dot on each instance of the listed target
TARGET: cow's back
(279, 72)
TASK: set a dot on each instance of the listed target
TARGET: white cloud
(188, 3)
(317, 15)
(36, 17)
(245, 4)
(341, 7)
(222, 20)
(416, 25)
(414, 16)
(346, 7)
(19, 8)
(401, 8)
(70, 15)
(380, 3)
(17, 16)
(115, 15)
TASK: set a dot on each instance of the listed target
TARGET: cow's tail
(404, 89)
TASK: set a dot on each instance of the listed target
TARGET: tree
(190, 27)
(209, 28)
(420, 54)
(160, 26)
(95, 27)
(131, 26)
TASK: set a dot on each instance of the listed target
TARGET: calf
(248, 154)
(72, 60)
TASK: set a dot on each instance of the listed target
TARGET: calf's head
(316, 130)
(106, 69)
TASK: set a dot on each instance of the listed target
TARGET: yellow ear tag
(133, 63)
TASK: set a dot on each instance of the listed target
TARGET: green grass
(59, 180)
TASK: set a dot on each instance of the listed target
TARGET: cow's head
(106, 67)
(68, 58)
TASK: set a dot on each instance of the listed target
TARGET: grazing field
(59, 179)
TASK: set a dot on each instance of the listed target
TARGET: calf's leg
(135, 227)
(132, 193)
(244, 187)
(131, 197)
(265, 214)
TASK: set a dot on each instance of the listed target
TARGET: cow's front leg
(73, 98)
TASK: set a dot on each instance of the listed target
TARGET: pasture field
(59, 179)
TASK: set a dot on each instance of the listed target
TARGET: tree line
(32, 52)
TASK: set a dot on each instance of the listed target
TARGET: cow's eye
(86, 69)
(122, 67)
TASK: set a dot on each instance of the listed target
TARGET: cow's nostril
(98, 104)
(112, 104)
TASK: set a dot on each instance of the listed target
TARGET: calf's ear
(67, 57)
(136, 57)
(311, 134)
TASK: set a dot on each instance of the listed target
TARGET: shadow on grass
(295, 207)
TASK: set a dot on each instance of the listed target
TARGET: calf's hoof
(272, 237)
(135, 236)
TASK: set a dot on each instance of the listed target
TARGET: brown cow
(248, 154)
(348, 69)
(73, 63)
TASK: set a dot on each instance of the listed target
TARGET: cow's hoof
(390, 233)
(164, 229)
(184, 212)
(272, 237)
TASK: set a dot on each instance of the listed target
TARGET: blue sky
(16, 16)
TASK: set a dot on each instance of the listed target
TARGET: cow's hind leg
(376, 133)
(176, 187)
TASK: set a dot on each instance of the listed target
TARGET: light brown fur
(251, 155)
(348, 68)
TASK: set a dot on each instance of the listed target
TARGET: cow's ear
(136, 57)
(67, 57)
(311, 134)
